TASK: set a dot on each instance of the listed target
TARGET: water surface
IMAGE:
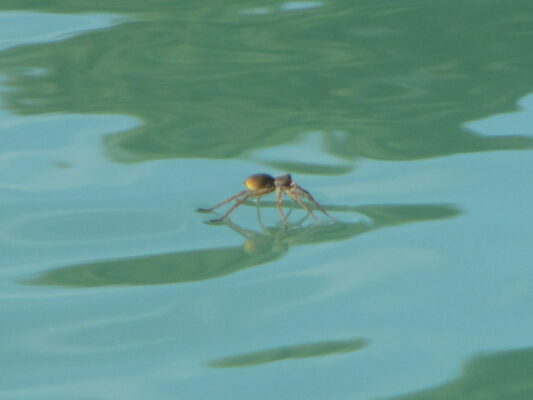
(409, 121)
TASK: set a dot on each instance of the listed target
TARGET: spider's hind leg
(247, 194)
(235, 196)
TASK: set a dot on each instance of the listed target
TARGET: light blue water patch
(412, 289)
(18, 28)
(286, 6)
(300, 5)
(519, 122)
(50, 152)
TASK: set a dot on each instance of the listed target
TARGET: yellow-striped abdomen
(259, 181)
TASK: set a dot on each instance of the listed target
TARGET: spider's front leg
(300, 190)
(293, 195)
(279, 205)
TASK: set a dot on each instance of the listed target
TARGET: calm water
(410, 121)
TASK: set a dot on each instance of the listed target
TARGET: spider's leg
(293, 195)
(224, 202)
(232, 208)
(248, 194)
(291, 209)
(308, 196)
(257, 209)
(279, 204)
(259, 217)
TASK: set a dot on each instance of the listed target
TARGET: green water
(409, 121)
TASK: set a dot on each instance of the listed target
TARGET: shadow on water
(318, 349)
(382, 80)
(259, 247)
(503, 375)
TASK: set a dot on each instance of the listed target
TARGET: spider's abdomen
(259, 181)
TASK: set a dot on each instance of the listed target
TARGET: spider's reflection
(260, 247)
(277, 239)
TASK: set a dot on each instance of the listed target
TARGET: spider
(260, 184)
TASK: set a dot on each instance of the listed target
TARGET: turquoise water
(409, 121)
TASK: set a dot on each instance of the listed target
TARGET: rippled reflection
(501, 375)
(219, 90)
(319, 349)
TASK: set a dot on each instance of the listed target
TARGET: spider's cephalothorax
(283, 181)
(261, 184)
